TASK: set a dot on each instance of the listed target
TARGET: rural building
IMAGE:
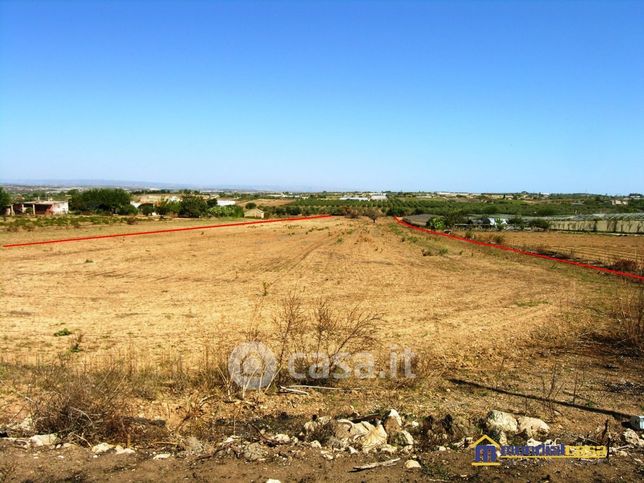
(40, 208)
(378, 196)
(221, 202)
(254, 213)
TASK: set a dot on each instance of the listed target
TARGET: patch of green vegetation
(63, 332)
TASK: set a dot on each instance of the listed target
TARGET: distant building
(378, 196)
(221, 202)
(254, 213)
(40, 208)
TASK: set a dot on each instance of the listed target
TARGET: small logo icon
(485, 449)
(252, 365)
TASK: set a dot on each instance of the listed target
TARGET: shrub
(192, 206)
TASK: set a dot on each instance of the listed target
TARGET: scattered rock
(631, 438)
(327, 455)
(402, 438)
(121, 450)
(43, 440)
(532, 427)
(282, 438)
(271, 480)
(362, 429)
(533, 442)
(344, 429)
(162, 456)
(374, 439)
(392, 422)
(500, 422)
(441, 448)
(255, 452)
(315, 444)
(412, 465)
(388, 449)
(352, 450)
(102, 448)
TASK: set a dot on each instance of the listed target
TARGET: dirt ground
(471, 313)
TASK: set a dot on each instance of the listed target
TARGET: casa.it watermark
(252, 365)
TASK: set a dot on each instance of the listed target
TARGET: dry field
(504, 321)
(592, 247)
(171, 293)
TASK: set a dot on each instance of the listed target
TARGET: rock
(102, 448)
(441, 448)
(43, 440)
(533, 442)
(327, 455)
(315, 444)
(362, 428)
(315, 424)
(402, 438)
(271, 480)
(282, 438)
(631, 438)
(532, 427)
(500, 422)
(343, 429)
(374, 439)
(352, 450)
(412, 465)
(392, 422)
(193, 445)
(254, 452)
(162, 456)
(337, 443)
(121, 450)
(388, 449)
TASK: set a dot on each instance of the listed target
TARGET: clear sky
(472, 96)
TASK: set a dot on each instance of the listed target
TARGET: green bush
(101, 200)
(192, 206)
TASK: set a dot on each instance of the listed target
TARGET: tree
(192, 206)
(373, 214)
(251, 205)
(5, 198)
(101, 200)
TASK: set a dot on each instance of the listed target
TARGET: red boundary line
(519, 251)
(168, 230)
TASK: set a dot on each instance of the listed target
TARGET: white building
(221, 202)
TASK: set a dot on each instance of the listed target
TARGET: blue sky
(468, 96)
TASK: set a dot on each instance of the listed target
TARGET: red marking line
(168, 230)
(519, 251)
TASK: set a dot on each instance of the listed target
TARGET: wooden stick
(378, 464)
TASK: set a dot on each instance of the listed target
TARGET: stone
(43, 440)
(271, 480)
(102, 448)
(402, 438)
(441, 448)
(254, 452)
(352, 450)
(500, 422)
(388, 449)
(337, 443)
(533, 442)
(343, 429)
(282, 438)
(315, 444)
(362, 428)
(119, 450)
(532, 427)
(631, 438)
(392, 422)
(374, 439)
(162, 456)
(412, 465)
